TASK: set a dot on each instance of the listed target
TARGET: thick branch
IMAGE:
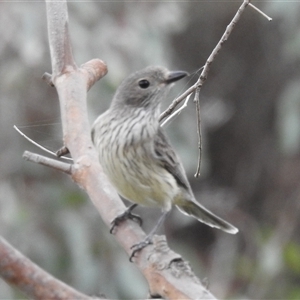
(19, 271)
(59, 38)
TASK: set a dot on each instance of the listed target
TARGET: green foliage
(294, 293)
(292, 257)
(74, 199)
(245, 268)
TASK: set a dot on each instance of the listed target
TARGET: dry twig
(38, 145)
(261, 12)
(204, 74)
(197, 101)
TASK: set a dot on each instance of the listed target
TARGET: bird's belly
(139, 179)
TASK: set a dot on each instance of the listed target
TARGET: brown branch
(93, 70)
(168, 272)
(59, 38)
(19, 271)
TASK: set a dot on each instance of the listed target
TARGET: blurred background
(251, 143)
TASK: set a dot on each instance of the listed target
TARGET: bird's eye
(144, 83)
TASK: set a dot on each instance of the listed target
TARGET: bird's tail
(203, 215)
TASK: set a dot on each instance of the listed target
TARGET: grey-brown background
(251, 140)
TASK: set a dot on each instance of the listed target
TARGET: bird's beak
(175, 75)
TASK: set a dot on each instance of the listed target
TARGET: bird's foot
(127, 214)
(148, 239)
(141, 245)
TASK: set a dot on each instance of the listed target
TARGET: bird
(138, 158)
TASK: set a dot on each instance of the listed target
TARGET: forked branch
(203, 76)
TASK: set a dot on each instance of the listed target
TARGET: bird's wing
(169, 159)
(188, 205)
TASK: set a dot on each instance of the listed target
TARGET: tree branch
(49, 162)
(197, 101)
(19, 271)
(59, 38)
(205, 70)
(204, 74)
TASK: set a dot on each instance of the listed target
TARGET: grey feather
(169, 159)
(186, 203)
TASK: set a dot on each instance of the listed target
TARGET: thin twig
(197, 101)
(48, 162)
(48, 79)
(38, 145)
(62, 151)
(203, 76)
(259, 11)
(176, 112)
(173, 105)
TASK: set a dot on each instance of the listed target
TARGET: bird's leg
(148, 239)
(127, 214)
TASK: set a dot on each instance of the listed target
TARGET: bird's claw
(138, 247)
(127, 214)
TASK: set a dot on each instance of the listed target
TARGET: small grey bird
(136, 155)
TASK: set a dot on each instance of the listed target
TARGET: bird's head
(146, 88)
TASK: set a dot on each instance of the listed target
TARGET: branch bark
(19, 271)
(49, 162)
